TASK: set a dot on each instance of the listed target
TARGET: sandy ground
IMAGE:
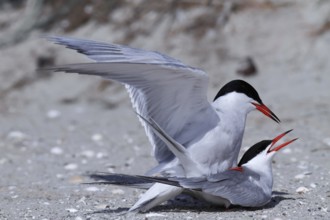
(55, 129)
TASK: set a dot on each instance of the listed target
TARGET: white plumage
(174, 96)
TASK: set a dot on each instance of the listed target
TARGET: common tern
(185, 164)
(174, 95)
(249, 184)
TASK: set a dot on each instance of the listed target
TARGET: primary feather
(155, 84)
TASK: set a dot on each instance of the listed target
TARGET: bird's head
(259, 156)
(246, 96)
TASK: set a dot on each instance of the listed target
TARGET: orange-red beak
(282, 145)
(266, 111)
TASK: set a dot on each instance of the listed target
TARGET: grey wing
(190, 166)
(230, 185)
(160, 87)
(237, 188)
(107, 52)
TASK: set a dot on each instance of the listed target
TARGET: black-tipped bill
(266, 111)
(276, 139)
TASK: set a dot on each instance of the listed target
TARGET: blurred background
(54, 126)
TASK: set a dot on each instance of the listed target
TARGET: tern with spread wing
(174, 95)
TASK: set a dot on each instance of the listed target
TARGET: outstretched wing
(160, 87)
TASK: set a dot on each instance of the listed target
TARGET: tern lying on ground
(249, 184)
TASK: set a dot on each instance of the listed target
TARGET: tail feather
(160, 189)
(121, 180)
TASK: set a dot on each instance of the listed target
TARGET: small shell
(302, 190)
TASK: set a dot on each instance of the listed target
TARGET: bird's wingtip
(51, 38)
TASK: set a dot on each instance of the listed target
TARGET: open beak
(266, 111)
(282, 145)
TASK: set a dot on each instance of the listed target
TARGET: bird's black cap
(254, 151)
(239, 86)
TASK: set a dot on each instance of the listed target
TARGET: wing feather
(160, 87)
(238, 188)
(233, 186)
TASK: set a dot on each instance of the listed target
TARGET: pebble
(303, 165)
(293, 159)
(324, 209)
(287, 151)
(302, 190)
(52, 114)
(92, 189)
(136, 148)
(3, 160)
(149, 215)
(299, 176)
(78, 218)
(72, 210)
(88, 153)
(102, 206)
(110, 165)
(60, 176)
(97, 137)
(302, 175)
(111, 170)
(313, 185)
(129, 161)
(56, 150)
(118, 192)
(327, 141)
(82, 200)
(128, 139)
(16, 136)
(76, 179)
(100, 155)
(71, 166)
(12, 187)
